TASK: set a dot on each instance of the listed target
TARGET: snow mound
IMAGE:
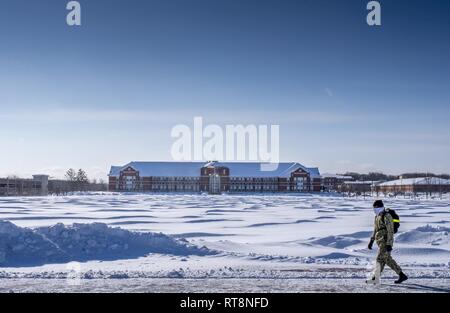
(336, 255)
(338, 242)
(82, 242)
(25, 246)
(434, 235)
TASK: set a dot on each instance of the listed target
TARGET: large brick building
(213, 177)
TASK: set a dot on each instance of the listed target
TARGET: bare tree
(82, 180)
(71, 176)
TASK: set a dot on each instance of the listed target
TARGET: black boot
(401, 278)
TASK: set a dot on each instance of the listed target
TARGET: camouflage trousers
(384, 258)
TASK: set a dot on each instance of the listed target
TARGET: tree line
(76, 181)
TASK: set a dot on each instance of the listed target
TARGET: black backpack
(395, 219)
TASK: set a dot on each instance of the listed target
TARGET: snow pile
(25, 246)
(434, 235)
(82, 242)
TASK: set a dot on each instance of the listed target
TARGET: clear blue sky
(346, 96)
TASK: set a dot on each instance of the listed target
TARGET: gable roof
(192, 169)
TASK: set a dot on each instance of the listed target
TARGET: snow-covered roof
(417, 181)
(329, 175)
(161, 169)
(253, 169)
(360, 182)
(192, 169)
(314, 172)
(115, 170)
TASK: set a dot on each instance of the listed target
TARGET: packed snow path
(174, 285)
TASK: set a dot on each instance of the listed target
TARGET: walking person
(383, 235)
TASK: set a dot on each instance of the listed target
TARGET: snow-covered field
(215, 243)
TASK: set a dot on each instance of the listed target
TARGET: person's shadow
(419, 287)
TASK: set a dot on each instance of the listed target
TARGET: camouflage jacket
(383, 231)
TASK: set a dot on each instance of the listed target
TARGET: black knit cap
(378, 204)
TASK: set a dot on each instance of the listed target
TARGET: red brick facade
(214, 179)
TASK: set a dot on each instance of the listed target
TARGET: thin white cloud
(177, 116)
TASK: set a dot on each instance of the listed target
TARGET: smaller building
(358, 186)
(415, 185)
(331, 182)
(15, 186)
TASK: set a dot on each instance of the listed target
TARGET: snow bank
(25, 246)
(434, 235)
(82, 242)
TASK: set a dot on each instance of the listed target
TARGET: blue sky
(346, 96)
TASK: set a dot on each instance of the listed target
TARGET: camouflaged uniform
(383, 234)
